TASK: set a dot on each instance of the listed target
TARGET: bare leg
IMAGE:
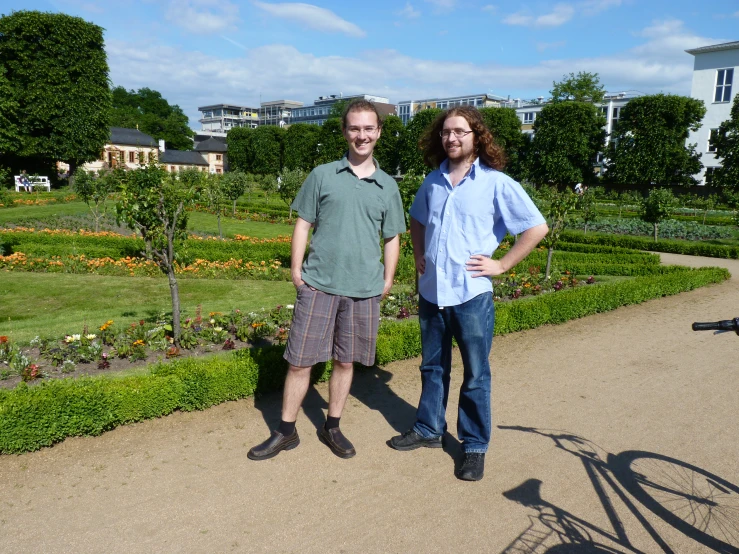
(338, 387)
(296, 386)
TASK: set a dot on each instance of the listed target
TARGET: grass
(200, 222)
(19, 213)
(54, 304)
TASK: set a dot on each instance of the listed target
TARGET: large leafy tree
(257, 150)
(146, 110)
(411, 157)
(331, 142)
(57, 104)
(300, 146)
(505, 126)
(567, 139)
(583, 87)
(648, 146)
(727, 150)
(387, 150)
(237, 141)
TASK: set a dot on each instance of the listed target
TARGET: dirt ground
(586, 415)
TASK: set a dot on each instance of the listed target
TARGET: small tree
(588, 208)
(154, 203)
(583, 87)
(555, 206)
(214, 196)
(234, 185)
(709, 204)
(290, 181)
(95, 188)
(657, 206)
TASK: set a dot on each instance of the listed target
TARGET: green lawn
(54, 304)
(200, 222)
(13, 215)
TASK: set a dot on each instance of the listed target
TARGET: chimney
(161, 145)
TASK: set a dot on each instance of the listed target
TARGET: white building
(220, 118)
(713, 79)
(408, 108)
(318, 112)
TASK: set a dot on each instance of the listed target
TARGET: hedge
(47, 245)
(41, 415)
(643, 243)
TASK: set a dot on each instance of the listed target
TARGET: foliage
(727, 150)
(213, 194)
(237, 141)
(657, 206)
(94, 188)
(55, 70)
(387, 149)
(588, 208)
(33, 417)
(505, 126)
(331, 142)
(567, 139)
(655, 153)
(148, 112)
(290, 182)
(411, 157)
(234, 184)
(668, 229)
(300, 146)
(555, 206)
(264, 150)
(583, 87)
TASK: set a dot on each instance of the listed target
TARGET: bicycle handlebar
(725, 325)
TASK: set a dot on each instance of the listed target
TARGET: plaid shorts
(326, 326)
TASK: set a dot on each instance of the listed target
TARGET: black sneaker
(472, 467)
(410, 440)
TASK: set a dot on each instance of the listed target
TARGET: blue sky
(199, 52)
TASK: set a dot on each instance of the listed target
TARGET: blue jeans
(472, 325)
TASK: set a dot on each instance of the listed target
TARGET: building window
(724, 79)
(709, 175)
(616, 115)
(219, 170)
(131, 157)
(218, 157)
(528, 117)
(712, 134)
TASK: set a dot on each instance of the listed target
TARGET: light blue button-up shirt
(470, 218)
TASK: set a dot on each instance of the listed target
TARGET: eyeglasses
(369, 131)
(458, 133)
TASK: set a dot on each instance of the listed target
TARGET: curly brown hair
(490, 153)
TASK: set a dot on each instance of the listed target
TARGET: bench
(38, 181)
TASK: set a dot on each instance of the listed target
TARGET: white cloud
(191, 79)
(560, 15)
(313, 17)
(490, 8)
(543, 46)
(203, 16)
(593, 7)
(409, 12)
(443, 4)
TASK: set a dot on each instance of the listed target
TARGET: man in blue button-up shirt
(459, 217)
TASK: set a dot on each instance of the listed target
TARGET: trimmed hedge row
(33, 417)
(563, 259)
(643, 243)
(47, 245)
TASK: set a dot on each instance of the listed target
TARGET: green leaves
(727, 150)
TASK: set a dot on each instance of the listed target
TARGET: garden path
(633, 379)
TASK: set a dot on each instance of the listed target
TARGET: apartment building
(220, 118)
(714, 69)
(408, 108)
(318, 112)
(277, 112)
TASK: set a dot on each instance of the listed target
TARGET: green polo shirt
(348, 215)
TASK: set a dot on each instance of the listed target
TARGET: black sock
(332, 422)
(287, 428)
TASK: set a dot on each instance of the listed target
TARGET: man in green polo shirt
(349, 204)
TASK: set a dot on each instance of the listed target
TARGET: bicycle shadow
(685, 496)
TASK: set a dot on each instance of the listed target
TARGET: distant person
(459, 217)
(579, 188)
(25, 181)
(349, 204)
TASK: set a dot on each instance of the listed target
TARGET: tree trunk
(586, 228)
(291, 213)
(655, 232)
(704, 216)
(175, 293)
(234, 211)
(220, 233)
(550, 252)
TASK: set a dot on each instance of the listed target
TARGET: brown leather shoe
(274, 445)
(337, 442)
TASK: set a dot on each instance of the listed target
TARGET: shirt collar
(444, 168)
(344, 165)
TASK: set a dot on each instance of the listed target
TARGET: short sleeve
(420, 207)
(515, 208)
(306, 202)
(394, 220)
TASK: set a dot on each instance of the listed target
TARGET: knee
(297, 370)
(343, 366)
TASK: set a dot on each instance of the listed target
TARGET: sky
(200, 52)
